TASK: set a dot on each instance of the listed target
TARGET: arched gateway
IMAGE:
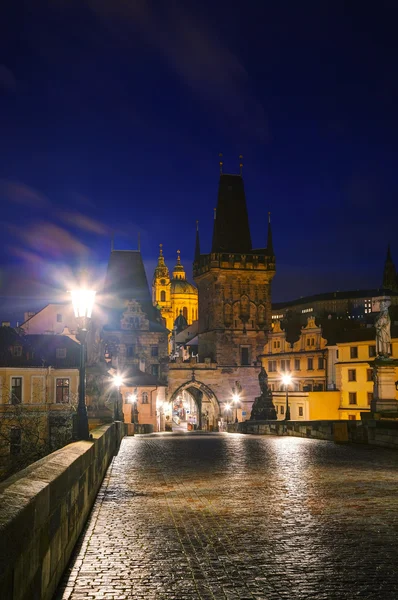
(196, 404)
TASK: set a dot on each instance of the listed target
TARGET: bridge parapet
(43, 510)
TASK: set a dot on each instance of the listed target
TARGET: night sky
(113, 112)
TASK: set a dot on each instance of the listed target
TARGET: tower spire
(270, 246)
(241, 164)
(179, 272)
(197, 244)
(231, 231)
(220, 163)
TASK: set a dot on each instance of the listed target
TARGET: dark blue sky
(112, 115)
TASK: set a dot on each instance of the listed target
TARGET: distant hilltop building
(174, 296)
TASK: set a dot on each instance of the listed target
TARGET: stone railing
(378, 433)
(43, 510)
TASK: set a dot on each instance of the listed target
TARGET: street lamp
(132, 398)
(83, 303)
(287, 380)
(227, 409)
(118, 381)
(236, 398)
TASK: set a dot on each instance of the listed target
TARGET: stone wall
(43, 510)
(378, 433)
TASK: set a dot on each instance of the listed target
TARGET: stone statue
(263, 380)
(383, 331)
(263, 408)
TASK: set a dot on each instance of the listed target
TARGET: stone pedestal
(384, 391)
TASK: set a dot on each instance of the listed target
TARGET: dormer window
(16, 351)
(60, 353)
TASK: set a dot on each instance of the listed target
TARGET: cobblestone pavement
(232, 516)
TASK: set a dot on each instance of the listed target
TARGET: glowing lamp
(235, 398)
(118, 380)
(83, 303)
(286, 379)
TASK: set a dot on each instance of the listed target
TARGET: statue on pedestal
(263, 408)
(383, 331)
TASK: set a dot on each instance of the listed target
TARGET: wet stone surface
(231, 516)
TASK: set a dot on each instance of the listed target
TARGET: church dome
(182, 286)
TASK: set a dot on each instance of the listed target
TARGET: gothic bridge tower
(234, 283)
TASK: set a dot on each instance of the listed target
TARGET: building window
(163, 296)
(370, 398)
(285, 365)
(301, 411)
(59, 318)
(297, 364)
(321, 363)
(372, 351)
(369, 374)
(282, 411)
(337, 354)
(16, 351)
(312, 341)
(352, 374)
(352, 418)
(162, 282)
(155, 370)
(130, 351)
(144, 398)
(272, 366)
(354, 351)
(15, 440)
(310, 364)
(16, 390)
(154, 351)
(318, 387)
(62, 391)
(185, 312)
(244, 356)
(60, 352)
(308, 341)
(352, 397)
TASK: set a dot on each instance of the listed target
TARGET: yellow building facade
(354, 374)
(174, 295)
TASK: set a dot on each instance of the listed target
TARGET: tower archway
(197, 404)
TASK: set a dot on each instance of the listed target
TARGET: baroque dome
(182, 286)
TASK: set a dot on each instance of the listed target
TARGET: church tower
(390, 279)
(161, 290)
(234, 283)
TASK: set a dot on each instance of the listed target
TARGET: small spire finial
(215, 213)
(221, 162)
(197, 225)
(269, 216)
(161, 249)
(241, 164)
(178, 257)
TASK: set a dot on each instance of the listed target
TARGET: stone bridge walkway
(231, 516)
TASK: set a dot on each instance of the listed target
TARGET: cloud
(193, 50)
(50, 240)
(85, 223)
(19, 193)
(7, 79)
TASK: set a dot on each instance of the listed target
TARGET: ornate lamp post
(133, 401)
(287, 380)
(227, 410)
(83, 303)
(117, 382)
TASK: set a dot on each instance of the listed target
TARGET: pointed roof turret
(231, 231)
(270, 245)
(179, 271)
(197, 244)
(161, 269)
(390, 281)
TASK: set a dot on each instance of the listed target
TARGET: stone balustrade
(43, 509)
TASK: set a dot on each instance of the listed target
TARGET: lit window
(62, 391)
(144, 398)
(16, 390)
(352, 375)
(301, 411)
(352, 398)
